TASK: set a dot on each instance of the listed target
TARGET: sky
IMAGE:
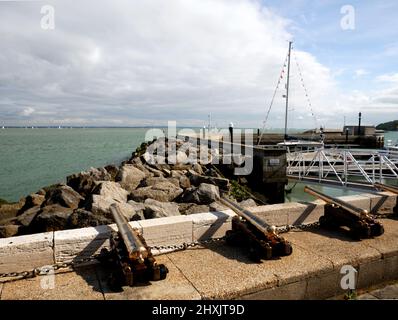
(144, 63)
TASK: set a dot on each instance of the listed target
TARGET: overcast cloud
(145, 62)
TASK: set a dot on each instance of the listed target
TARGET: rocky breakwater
(148, 185)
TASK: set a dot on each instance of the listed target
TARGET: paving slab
(366, 296)
(334, 246)
(80, 285)
(175, 286)
(225, 272)
(291, 291)
(387, 243)
(389, 292)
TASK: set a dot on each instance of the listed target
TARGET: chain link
(45, 270)
(187, 245)
(301, 227)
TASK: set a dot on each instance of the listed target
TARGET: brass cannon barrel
(386, 187)
(337, 202)
(134, 246)
(249, 216)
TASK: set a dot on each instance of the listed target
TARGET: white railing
(343, 166)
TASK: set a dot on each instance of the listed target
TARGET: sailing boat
(288, 142)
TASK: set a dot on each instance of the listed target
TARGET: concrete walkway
(222, 272)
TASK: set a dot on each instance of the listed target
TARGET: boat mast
(287, 87)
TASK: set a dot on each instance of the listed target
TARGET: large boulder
(10, 210)
(164, 191)
(184, 181)
(85, 181)
(158, 209)
(111, 190)
(222, 183)
(217, 206)
(191, 208)
(26, 218)
(249, 203)
(51, 218)
(81, 218)
(178, 157)
(9, 231)
(151, 181)
(104, 194)
(112, 170)
(33, 200)
(204, 194)
(137, 212)
(63, 195)
(130, 177)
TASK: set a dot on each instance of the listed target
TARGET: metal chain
(187, 245)
(301, 227)
(42, 271)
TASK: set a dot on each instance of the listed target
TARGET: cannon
(260, 238)
(130, 257)
(339, 213)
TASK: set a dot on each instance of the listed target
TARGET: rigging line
(273, 98)
(305, 90)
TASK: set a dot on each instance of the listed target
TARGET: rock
(26, 218)
(130, 177)
(185, 183)
(162, 191)
(99, 205)
(84, 182)
(41, 192)
(11, 210)
(112, 170)
(198, 168)
(157, 209)
(222, 183)
(65, 196)
(151, 181)
(177, 158)
(138, 211)
(176, 173)
(33, 200)
(249, 203)
(191, 208)
(155, 172)
(216, 206)
(205, 194)
(51, 218)
(81, 218)
(111, 191)
(9, 231)
(139, 165)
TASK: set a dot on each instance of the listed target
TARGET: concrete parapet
(26, 252)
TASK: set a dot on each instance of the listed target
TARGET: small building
(363, 130)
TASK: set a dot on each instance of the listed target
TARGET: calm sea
(33, 158)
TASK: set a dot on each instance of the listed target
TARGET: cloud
(360, 72)
(143, 63)
(388, 78)
(27, 111)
